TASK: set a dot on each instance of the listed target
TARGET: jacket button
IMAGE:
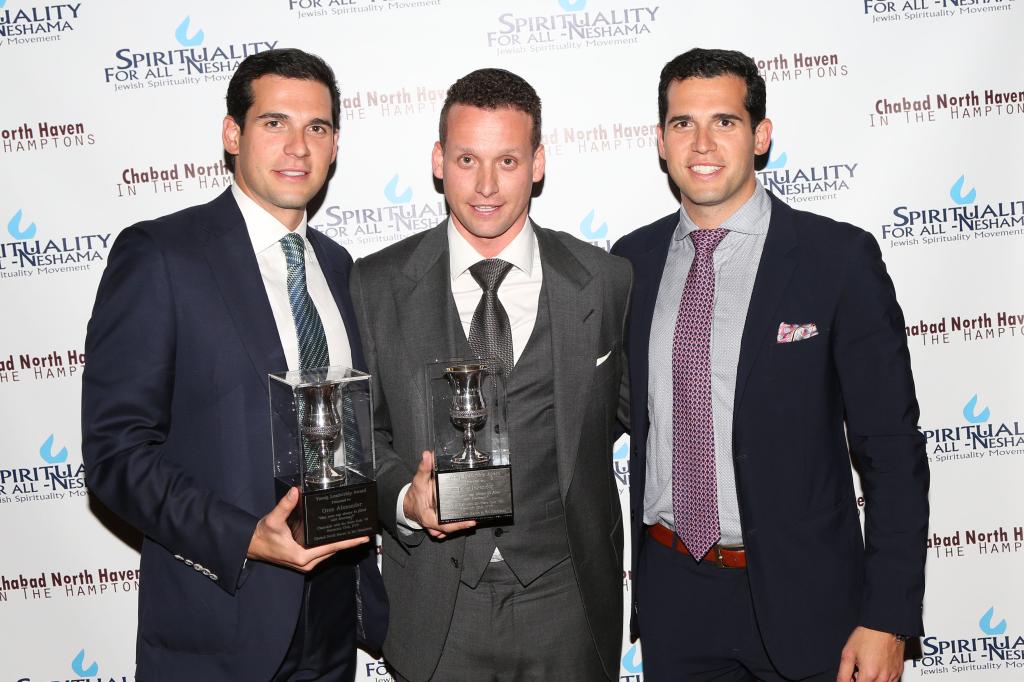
(498, 532)
(455, 562)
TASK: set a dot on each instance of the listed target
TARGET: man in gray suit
(540, 598)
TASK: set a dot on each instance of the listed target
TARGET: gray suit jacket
(403, 302)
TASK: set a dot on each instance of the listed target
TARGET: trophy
(468, 410)
(472, 472)
(322, 429)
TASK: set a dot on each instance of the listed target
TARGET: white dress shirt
(266, 233)
(519, 294)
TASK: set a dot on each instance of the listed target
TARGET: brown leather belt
(723, 557)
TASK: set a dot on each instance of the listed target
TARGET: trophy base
(483, 493)
(334, 514)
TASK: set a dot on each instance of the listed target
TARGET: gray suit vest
(537, 539)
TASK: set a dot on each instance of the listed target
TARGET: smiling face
(488, 166)
(287, 146)
(708, 145)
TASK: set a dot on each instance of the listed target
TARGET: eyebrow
(277, 116)
(686, 118)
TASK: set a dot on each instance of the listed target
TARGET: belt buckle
(719, 559)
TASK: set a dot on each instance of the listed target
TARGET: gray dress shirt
(736, 260)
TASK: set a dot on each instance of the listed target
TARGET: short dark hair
(287, 63)
(493, 89)
(701, 63)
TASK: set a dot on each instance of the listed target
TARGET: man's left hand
(871, 656)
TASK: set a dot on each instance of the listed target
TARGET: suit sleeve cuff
(405, 526)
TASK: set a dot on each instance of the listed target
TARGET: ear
(763, 137)
(437, 160)
(334, 154)
(539, 161)
(231, 135)
(661, 142)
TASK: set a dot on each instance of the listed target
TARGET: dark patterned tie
(308, 326)
(694, 484)
(310, 330)
(490, 334)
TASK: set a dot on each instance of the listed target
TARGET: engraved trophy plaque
(472, 471)
(322, 429)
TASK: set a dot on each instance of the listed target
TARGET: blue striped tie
(308, 326)
(310, 330)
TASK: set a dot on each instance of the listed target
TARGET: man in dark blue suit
(766, 349)
(192, 313)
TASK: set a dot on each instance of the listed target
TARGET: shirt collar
(518, 252)
(748, 218)
(265, 230)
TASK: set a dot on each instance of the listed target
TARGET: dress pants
(697, 621)
(504, 632)
(323, 648)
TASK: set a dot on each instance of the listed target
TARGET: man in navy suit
(192, 313)
(766, 349)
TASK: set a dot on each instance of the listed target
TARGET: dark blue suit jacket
(176, 438)
(802, 410)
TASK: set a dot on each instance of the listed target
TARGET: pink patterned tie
(694, 486)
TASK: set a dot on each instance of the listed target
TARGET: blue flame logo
(630, 663)
(972, 415)
(392, 194)
(986, 623)
(572, 5)
(622, 452)
(46, 452)
(79, 667)
(14, 227)
(588, 230)
(778, 162)
(956, 193)
(182, 34)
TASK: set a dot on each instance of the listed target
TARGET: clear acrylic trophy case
(469, 433)
(322, 428)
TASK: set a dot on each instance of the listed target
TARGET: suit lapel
(647, 271)
(233, 263)
(575, 316)
(424, 302)
(773, 274)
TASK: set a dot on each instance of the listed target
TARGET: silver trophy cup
(468, 410)
(321, 426)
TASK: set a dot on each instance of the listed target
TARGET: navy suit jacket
(802, 410)
(176, 438)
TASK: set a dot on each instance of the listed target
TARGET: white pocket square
(600, 360)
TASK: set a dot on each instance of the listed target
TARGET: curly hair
(493, 89)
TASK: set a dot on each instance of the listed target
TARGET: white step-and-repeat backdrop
(905, 117)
